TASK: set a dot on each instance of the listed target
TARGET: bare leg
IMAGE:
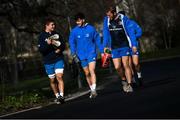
(136, 63)
(92, 66)
(53, 85)
(60, 82)
(119, 68)
(88, 76)
(128, 73)
(131, 65)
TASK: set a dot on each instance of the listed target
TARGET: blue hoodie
(84, 41)
(128, 31)
(137, 30)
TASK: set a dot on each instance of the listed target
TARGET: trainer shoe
(140, 81)
(134, 85)
(124, 87)
(93, 94)
(61, 99)
(129, 88)
(56, 100)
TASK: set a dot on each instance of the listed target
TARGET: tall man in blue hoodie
(51, 50)
(83, 41)
(134, 59)
(119, 38)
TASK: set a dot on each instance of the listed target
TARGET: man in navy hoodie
(83, 41)
(51, 46)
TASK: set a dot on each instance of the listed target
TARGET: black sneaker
(61, 99)
(57, 101)
(140, 80)
(134, 85)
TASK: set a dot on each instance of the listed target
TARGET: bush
(25, 100)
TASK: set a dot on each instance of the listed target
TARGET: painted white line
(34, 108)
(77, 95)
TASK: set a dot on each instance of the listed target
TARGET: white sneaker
(124, 87)
(93, 94)
(129, 88)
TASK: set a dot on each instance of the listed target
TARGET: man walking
(83, 41)
(51, 47)
(116, 34)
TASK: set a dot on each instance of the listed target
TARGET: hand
(105, 50)
(49, 41)
(57, 51)
(102, 54)
(75, 58)
(134, 49)
(53, 42)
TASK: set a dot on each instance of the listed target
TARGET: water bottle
(108, 51)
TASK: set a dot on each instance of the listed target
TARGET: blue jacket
(84, 42)
(48, 51)
(137, 30)
(127, 27)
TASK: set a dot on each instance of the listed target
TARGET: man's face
(80, 22)
(110, 15)
(50, 27)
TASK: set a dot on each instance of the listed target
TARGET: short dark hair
(111, 9)
(48, 20)
(122, 12)
(79, 15)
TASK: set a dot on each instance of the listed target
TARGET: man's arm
(43, 45)
(72, 43)
(138, 30)
(98, 41)
(106, 35)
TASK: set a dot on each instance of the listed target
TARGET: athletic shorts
(54, 68)
(120, 52)
(85, 62)
(132, 53)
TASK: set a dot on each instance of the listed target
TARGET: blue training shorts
(120, 52)
(85, 62)
(54, 68)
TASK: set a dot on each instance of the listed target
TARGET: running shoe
(129, 88)
(93, 94)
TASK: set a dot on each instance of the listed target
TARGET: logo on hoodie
(78, 36)
(87, 35)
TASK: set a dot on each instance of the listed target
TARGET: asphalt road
(159, 98)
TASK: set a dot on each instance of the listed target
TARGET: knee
(136, 64)
(92, 72)
(59, 78)
(118, 68)
(87, 73)
(52, 80)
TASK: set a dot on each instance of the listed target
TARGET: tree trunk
(165, 40)
(14, 56)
